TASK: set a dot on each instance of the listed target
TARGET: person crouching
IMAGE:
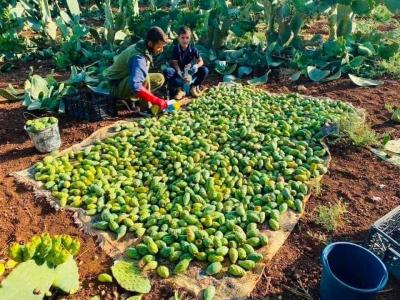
(187, 67)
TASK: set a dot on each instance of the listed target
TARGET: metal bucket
(46, 140)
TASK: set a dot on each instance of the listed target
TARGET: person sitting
(185, 56)
(129, 75)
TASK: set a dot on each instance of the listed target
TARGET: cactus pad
(136, 297)
(67, 276)
(129, 277)
(27, 281)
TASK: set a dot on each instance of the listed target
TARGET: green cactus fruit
(166, 252)
(215, 258)
(102, 225)
(209, 293)
(132, 253)
(175, 256)
(233, 255)
(63, 257)
(147, 258)
(67, 276)
(240, 235)
(66, 241)
(214, 268)
(16, 252)
(36, 240)
(151, 265)
(242, 253)
(142, 249)
(201, 256)
(10, 264)
(74, 248)
(182, 266)
(48, 294)
(247, 264)
(273, 224)
(57, 240)
(136, 297)
(248, 248)
(2, 269)
(256, 257)
(222, 251)
(26, 278)
(252, 232)
(121, 232)
(237, 271)
(163, 271)
(129, 277)
(45, 246)
(254, 241)
(263, 240)
(104, 277)
(152, 247)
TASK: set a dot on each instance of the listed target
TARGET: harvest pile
(40, 124)
(198, 184)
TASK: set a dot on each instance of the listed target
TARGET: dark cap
(156, 34)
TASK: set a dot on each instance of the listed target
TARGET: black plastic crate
(384, 240)
(90, 106)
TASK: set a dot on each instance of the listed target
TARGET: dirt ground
(370, 188)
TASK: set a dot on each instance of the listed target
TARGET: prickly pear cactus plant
(45, 261)
(28, 281)
(55, 250)
(129, 277)
(67, 276)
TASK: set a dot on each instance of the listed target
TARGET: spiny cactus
(53, 249)
(136, 297)
(129, 277)
(67, 276)
(28, 281)
(45, 261)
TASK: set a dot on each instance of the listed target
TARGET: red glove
(145, 95)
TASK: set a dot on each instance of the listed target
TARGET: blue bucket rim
(381, 285)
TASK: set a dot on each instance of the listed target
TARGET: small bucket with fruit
(44, 133)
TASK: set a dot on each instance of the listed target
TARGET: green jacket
(120, 68)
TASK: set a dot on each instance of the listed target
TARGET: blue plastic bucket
(351, 272)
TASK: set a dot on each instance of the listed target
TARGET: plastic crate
(384, 240)
(90, 106)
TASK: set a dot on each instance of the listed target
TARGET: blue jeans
(175, 81)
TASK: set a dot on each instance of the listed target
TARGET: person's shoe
(180, 94)
(145, 113)
(194, 91)
(128, 105)
(199, 90)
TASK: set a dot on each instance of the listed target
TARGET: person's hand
(164, 104)
(188, 78)
(180, 73)
(147, 96)
(194, 69)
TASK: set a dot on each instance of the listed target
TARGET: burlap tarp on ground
(228, 287)
(390, 152)
(194, 280)
(105, 239)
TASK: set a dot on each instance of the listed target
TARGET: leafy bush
(358, 131)
(330, 216)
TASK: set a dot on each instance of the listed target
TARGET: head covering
(156, 34)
